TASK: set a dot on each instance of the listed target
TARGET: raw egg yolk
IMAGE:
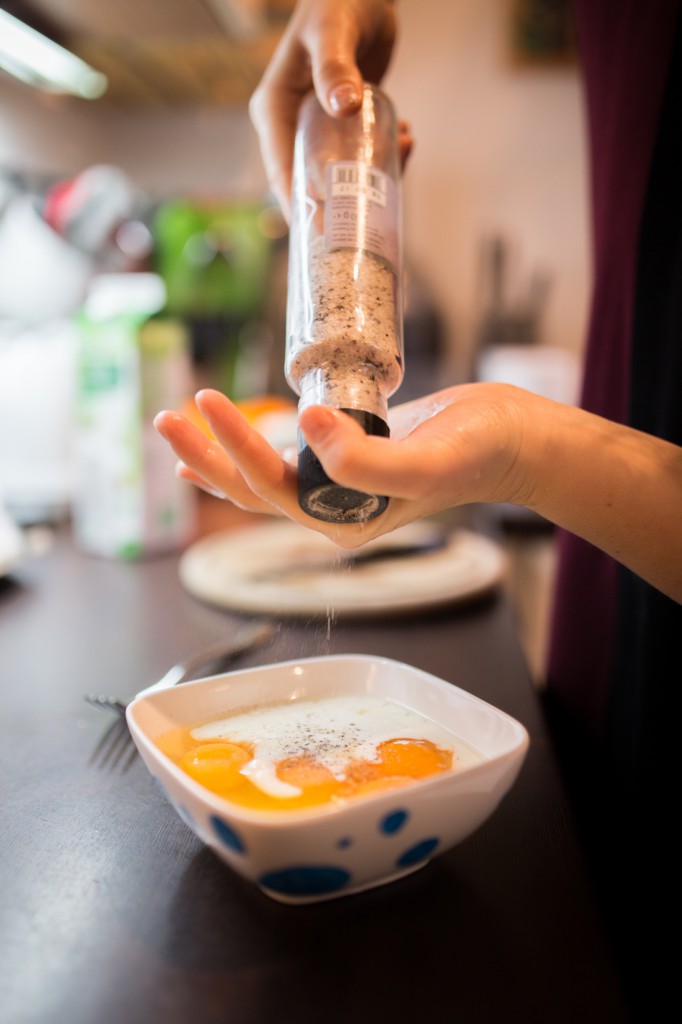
(216, 765)
(398, 762)
(317, 783)
(414, 758)
(304, 772)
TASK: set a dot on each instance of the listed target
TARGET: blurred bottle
(86, 210)
(133, 361)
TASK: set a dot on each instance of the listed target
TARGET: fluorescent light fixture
(35, 59)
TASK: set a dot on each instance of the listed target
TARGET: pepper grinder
(344, 343)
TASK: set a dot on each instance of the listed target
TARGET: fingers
(349, 43)
(405, 142)
(205, 463)
(185, 473)
(328, 45)
(316, 51)
(241, 465)
(332, 40)
(259, 467)
(273, 109)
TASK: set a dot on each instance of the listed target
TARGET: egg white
(332, 731)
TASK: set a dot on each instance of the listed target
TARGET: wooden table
(112, 911)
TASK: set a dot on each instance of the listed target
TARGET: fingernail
(344, 97)
(158, 421)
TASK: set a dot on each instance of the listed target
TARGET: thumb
(364, 462)
(329, 431)
(336, 77)
(348, 454)
(326, 427)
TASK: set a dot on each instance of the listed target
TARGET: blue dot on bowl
(227, 834)
(418, 852)
(306, 880)
(344, 842)
(393, 822)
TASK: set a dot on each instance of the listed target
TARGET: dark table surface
(111, 910)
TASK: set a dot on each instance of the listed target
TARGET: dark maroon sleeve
(625, 49)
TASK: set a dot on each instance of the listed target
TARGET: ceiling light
(35, 59)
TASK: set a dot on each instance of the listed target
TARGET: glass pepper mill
(344, 344)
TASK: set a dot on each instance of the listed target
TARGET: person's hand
(473, 443)
(331, 46)
(451, 448)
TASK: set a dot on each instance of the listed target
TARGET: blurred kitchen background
(139, 243)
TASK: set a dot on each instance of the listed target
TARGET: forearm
(617, 488)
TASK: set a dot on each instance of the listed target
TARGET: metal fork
(222, 651)
(116, 741)
(113, 746)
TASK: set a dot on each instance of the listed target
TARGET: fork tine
(122, 744)
(113, 745)
(131, 757)
(117, 741)
(102, 743)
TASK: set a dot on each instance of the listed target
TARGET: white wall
(45, 135)
(497, 149)
(206, 150)
(203, 151)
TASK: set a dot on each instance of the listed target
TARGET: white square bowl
(310, 854)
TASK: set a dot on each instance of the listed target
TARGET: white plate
(283, 568)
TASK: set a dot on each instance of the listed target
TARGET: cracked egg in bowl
(326, 776)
